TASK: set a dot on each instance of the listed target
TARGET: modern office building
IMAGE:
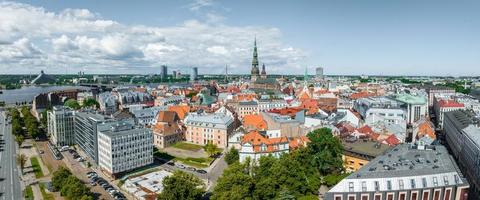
(60, 122)
(204, 128)
(194, 74)
(462, 133)
(164, 72)
(406, 172)
(123, 147)
(319, 72)
(85, 128)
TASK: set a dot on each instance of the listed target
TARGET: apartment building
(406, 172)
(203, 128)
(416, 106)
(441, 106)
(462, 133)
(123, 147)
(357, 153)
(387, 110)
(60, 127)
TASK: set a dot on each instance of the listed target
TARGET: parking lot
(71, 158)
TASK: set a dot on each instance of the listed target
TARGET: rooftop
(368, 148)
(412, 99)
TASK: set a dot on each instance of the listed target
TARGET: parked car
(201, 171)
(171, 163)
(41, 152)
(93, 183)
(180, 166)
(191, 169)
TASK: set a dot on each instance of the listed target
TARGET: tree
(182, 185)
(59, 178)
(235, 183)
(90, 102)
(326, 151)
(21, 160)
(232, 156)
(211, 149)
(19, 139)
(72, 103)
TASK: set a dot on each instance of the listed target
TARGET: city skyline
(349, 38)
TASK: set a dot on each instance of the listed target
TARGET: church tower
(255, 70)
(263, 73)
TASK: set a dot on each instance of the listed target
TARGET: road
(10, 187)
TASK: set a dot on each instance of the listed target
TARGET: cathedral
(259, 80)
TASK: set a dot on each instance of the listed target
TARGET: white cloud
(82, 40)
(220, 50)
(199, 4)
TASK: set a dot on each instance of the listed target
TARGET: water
(26, 93)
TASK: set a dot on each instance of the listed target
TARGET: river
(26, 93)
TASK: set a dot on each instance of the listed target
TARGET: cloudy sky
(345, 37)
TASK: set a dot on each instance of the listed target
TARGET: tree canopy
(232, 156)
(69, 185)
(182, 185)
(72, 103)
(211, 149)
(90, 102)
(296, 175)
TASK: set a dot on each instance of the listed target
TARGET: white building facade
(60, 122)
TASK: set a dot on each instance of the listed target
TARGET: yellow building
(357, 153)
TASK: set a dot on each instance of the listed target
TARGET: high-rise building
(123, 147)
(406, 172)
(60, 122)
(319, 72)
(85, 128)
(194, 74)
(462, 133)
(174, 74)
(164, 72)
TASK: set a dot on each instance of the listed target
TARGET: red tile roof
(449, 103)
(257, 140)
(392, 140)
(254, 121)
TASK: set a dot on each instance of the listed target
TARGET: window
(364, 197)
(424, 182)
(435, 181)
(389, 185)
(400, 184)
(412, 183)
(350, 186)
(402, 196)
(389, 196)
(445, 180)
(413, 196)
(436, 195)
(378, 197)
(377, 186)
(447, 194)
(351, 197)
(364, 186)
(425, 195)
(338, 197)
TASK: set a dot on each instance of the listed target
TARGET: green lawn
(187, 146)
(45, 195)
(194, 162)
(36, 167)
(28, 193)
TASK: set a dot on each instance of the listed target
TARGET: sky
(369, 37)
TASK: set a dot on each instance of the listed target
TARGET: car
(201, 171)
(191, 169)
(93, 183)
(92, 175)
(171, 163)
(94, 179)
(91, 172)
(180, 166)
(41, 152)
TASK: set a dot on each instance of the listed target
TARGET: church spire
(255, 54)
(255, 70)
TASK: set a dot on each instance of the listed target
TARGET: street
(10, 187)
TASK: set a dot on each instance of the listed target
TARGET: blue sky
(344, 37)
